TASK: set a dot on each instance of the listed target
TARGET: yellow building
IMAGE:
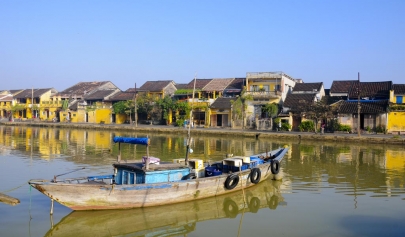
(84, 102)
(33, 103)
(6, 103)
(396, 114)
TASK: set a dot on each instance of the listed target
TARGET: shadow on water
(169, 220)
(362, 225)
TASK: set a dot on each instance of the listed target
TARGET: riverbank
(334, 137)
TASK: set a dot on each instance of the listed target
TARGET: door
(219, 120)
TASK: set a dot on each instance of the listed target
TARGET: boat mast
(189, 126)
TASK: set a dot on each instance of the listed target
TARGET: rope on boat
(54, 177)
(14, 188)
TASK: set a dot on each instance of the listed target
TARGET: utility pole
(32, 103)
(135, 108)
(358, 104)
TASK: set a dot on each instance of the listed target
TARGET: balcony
(201, 102)
(51, 104)
(264, 95)
(6, 106)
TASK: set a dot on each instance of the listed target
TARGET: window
(399, 100)
(254, 88)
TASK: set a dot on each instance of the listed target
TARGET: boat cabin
(134, 173)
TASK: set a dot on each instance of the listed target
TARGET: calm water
(328, 189)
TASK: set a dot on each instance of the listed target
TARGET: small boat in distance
(150, 182)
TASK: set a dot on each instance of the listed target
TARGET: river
(327, 189)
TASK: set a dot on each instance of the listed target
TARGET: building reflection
(352, 169)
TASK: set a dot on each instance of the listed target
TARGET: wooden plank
(9, 200)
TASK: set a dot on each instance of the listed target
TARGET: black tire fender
(275, 166)
(231, 181)
(254, 204)
(255, 175)
(273, 203)
(230, 208)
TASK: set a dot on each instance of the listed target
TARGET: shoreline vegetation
(331, 137)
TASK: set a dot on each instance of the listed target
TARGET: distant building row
(381, 103)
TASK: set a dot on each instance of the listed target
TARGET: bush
(381, 129)
(306, 126)
(179, 122)
(285, 127)
(344, 128)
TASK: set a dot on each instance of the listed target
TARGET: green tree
(17, 108)
(317, 111)
(124, 107)
(166, 105)
(146, 104)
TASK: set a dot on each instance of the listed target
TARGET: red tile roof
(296, 101)
(199, 84)
(366, 107)
(222, 103)
(236, 85)
(341, 86)
(217, 84)
(99, 95)
(122, 96)
(28, 93)
(308, 87)
(372, 90)
(155, 86)
(399, 89)
(6, 98)
(81, 88)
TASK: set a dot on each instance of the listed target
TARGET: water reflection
(169, 220)
(336, 182)
(48, 143)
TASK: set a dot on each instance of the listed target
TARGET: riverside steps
(298, 136)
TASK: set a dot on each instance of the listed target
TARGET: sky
(57, 44)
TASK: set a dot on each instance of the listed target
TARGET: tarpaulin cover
(132, 140)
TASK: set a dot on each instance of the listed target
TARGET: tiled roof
(376, 90)
(75, 105)
(199, 84)
(99, 95)
(308, 87)
(29, 93)
(366, 107)
(5, 98)
(236, 85)
(181, 86)
(222, 103)
(122, 96)
(155, 86)
(217, 84)
(399, 89)
(295, 101)
(81, 88)
(341, 86)
(15, 91)
(333, 99)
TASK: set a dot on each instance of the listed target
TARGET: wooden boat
(183, 219)
(143, 184)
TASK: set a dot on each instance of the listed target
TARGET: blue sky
(60, 43)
